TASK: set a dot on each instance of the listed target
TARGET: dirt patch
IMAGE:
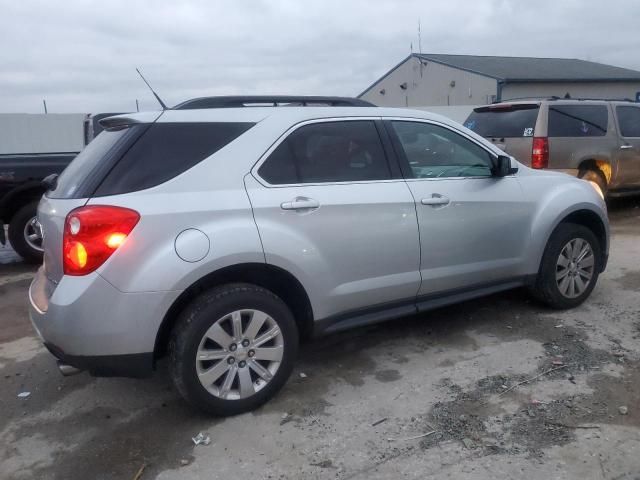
(388, 375)
(630, 280)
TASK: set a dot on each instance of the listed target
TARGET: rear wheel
(232, 349)
(570, 267)
(25, 233)
(597, 178)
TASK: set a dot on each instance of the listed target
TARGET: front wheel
(232, 349)
(570, 267)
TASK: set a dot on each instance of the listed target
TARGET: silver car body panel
(367, 243)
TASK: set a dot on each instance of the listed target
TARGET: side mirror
(502, 167)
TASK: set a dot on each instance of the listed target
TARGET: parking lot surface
(495, 388)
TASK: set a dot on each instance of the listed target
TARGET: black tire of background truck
(16, 233)
(546, 287)
(196, 319)
(597, 177)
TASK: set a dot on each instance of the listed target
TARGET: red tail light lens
(540, 153)
(92, 234)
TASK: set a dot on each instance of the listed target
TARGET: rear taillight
(540, 153)
(92, 234)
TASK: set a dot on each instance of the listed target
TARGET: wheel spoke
(564, 284)
(218, 335)
(273, 354)
(208, 377)
(563, 261)
(587, 261)
(569, 250)
(586, 250)
(579, 285)
(585, 273)
(246, 384)
(260, 370)
(204, 355)
(257, 320)
(560, 275)
(268, 335)
(236, 321)
(228, 381)
(572, 287)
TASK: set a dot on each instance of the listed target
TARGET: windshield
(510, 121)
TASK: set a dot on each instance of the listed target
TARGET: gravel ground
(495, 388)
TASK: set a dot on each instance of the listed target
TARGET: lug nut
(233, 347)
(251, 353)
(242, 364)
(231, 360)
(245, 343)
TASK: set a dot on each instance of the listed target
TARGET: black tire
(199, 316)
(16, 233)
(546, 287)
(597, 177)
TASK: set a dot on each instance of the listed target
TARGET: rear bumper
(89, 324)
(137, 365)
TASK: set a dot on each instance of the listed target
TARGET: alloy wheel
(575, 268)
(239, 354)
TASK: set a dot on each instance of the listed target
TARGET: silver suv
(222, 236)
(597, 140)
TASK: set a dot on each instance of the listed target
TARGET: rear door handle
(626, 147)
(300, 203)
(435, 200)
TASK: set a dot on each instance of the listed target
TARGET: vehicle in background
(596, 140)
(219, 233)
(32, 147)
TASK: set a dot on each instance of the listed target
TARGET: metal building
(435, 79)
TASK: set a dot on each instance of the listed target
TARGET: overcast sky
(81, 56)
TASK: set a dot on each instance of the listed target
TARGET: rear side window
(165, 151)
(578, 120)
(345, 151)
(629, 121)
(509, 121)
(82, 176)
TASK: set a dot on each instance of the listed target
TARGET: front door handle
(435, 200)
(300, 203)
(626, 147)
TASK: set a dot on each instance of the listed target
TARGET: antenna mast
(164, 107)
(419, 38)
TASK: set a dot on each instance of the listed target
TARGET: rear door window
(504, 121)
(629, 121)
(165, 151)
(345, 151)
(578, 120)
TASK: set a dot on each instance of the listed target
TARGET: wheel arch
(18, 197)
(602, 165)
(275, 279)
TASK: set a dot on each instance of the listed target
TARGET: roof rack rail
(270, 101)
(553, 98)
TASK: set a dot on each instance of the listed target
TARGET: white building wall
(430, 84)
(576, 90)
(41, 133)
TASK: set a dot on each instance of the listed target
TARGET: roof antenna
(164, 107)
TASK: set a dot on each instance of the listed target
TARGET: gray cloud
(81, 56)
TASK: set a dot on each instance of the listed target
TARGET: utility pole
(44, 102)
(137, 106)
(419, 38)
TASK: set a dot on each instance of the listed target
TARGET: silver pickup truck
(597, 140)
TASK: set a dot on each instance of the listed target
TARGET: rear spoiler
(506, 107)
(127, 119)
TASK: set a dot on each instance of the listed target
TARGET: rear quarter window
(578, 120)
(629, 121)
(165, 151)
(510, 121)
